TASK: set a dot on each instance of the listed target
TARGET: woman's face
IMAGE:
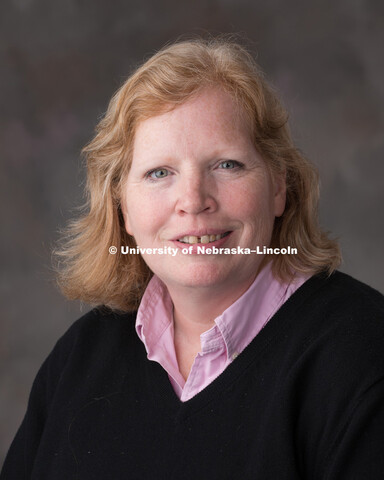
(197, 180)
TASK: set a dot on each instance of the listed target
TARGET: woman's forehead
(212, 113)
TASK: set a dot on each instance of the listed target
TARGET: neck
(195, 310)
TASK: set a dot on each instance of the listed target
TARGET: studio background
(61, 61)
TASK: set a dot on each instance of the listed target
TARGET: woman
(239, 363)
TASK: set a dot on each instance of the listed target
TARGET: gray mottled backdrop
(60, 62)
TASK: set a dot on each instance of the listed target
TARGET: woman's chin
(198, 275)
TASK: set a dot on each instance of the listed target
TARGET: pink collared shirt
(234, 329)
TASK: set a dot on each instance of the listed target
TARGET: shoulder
(344, 304)
(338, 328)
(98, 338)
(329, 336)
(340, 304)
(330, 355)
(343, 370)
(353, 312)
(101, 323)
(342, 292)
(348, 292)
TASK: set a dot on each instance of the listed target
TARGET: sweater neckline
(163, 392)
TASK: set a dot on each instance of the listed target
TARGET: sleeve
(358, 451)
(20, 459)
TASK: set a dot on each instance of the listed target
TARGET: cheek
(142, 214)
(251, 202)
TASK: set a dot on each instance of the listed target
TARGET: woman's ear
(280, 193)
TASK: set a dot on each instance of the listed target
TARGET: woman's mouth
(204, 239)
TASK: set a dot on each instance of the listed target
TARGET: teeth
(192, 239)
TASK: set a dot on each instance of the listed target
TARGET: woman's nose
(195, 195)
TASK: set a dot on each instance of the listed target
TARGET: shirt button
(234, 355)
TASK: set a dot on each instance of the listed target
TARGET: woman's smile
(191, 243)
(204, 238)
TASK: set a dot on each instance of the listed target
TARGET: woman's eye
(229, 164)
(158, 173)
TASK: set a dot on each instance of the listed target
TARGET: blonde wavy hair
(86, 269)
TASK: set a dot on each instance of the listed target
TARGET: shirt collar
(237, 325)
(244, 319)
(155, 313)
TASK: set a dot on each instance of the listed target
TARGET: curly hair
(86, 270)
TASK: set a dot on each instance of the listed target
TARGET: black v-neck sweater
(305, 400)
